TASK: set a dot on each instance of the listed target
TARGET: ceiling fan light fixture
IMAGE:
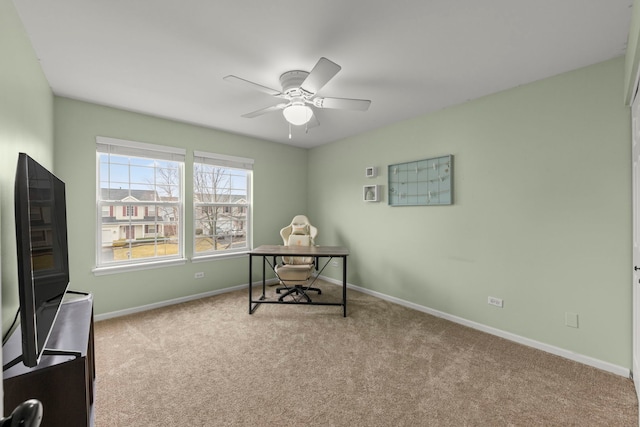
(297, 114)
(299, 90)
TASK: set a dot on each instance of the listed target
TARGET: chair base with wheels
(294, 278)
(297, 290)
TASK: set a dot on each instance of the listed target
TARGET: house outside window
(222, 204)
(140, 201)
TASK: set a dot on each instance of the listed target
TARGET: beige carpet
(209, 363)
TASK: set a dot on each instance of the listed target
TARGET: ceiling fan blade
(251, 85)
(322, 72)
(264, 111)
(342, 103)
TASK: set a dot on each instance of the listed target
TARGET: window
(130, 211)
(107, 211)
(222, 204)
(140, 203)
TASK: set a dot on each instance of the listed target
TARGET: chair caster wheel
(277, 291)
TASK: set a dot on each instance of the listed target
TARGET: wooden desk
(274, 251)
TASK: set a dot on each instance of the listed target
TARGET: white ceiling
(409, 57)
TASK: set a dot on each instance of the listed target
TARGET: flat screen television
(43, 262)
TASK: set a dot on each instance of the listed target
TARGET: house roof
(219, 198)
(120, 194)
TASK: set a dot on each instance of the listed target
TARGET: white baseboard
(567, 354)
(636, 380)
(180, 300)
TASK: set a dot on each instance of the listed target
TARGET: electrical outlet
(199, 275)
(334, 264)
(495, 301)
(571, 319)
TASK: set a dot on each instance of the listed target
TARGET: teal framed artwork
(425, 182)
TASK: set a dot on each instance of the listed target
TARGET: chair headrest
(299, 228)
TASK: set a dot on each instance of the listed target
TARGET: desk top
(319, 251)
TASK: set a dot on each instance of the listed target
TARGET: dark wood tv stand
(64, 384)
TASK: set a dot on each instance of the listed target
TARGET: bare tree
(210, 186)
(167, 189)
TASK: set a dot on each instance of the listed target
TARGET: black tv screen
(43, 262)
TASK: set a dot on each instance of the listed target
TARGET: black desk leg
(250, 280)
(344, 286)
(264, 285)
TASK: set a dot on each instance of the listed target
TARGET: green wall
(279, 193)
(26, 124)
(542, 213)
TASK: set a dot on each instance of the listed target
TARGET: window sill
(102, 271)
(213, 257)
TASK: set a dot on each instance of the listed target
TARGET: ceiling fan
(299, 89)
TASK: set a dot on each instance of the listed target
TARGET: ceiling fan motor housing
(291, 82)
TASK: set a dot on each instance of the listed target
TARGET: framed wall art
(421, 183)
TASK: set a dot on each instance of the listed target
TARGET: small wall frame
(370, 193)
(421, 183)
(370, 172)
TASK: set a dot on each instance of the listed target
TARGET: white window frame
(224, 162)
(120, 147)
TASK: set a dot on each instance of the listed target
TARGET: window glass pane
(167, 192)
(222, 199)
(118, 174)
(132, 229)
(142, 175)
(137, 161)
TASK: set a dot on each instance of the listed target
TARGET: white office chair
(294, 272)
